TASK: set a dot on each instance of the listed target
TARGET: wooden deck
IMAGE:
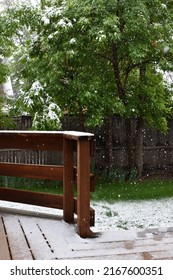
(24, 237)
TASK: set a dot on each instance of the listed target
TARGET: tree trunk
(82, 120)
(139, 147)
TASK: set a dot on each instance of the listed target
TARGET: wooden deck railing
(70, 143)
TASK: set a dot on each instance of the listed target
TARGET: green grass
(145, 190)
(48, 186)
(105, 190)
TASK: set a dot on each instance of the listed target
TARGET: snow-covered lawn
(133, 214)
(118, 215)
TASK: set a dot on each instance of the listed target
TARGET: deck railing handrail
(69, 143)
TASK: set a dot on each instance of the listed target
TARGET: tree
(5, 120)
(99, 58)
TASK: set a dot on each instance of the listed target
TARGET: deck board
(36, 239)
(17, 240)
(4, 249)
(60, 238)
(24, 237)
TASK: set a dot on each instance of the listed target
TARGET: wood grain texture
(83, 188)
(19, 246)
(69, 142)
(34, 198)
(34, 141)
(68, 182)
(49, 172)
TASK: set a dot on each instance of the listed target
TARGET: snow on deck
(25, 237)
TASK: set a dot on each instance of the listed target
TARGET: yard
(122, 206)
(127, 205)
(126, 215)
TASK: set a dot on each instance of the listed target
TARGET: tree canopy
(94, 58)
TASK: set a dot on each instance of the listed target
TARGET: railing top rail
(74, 135)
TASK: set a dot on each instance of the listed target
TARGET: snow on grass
(133, 214)
(118, 215)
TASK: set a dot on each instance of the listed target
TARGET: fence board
(31, 156)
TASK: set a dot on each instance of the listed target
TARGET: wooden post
(68, 202)
(83, 188)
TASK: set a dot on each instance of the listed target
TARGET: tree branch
(130, 67)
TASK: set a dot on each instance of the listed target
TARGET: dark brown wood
(49, 172)
(68, 142)
(68, 204)
(92, 179)
(73, 135)
(92, 213)
(34, 141)
(83, 188)
(92, 183)
(92, 217)
(93, 147)
(34, 198)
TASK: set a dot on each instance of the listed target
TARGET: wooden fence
(158, 147)
(72, 145)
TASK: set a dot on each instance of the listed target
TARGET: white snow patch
(166, 49)
(72, 41)
(133, 214)
(78, 133)
(45, 20)
(61, 23)
(36, 87)
(8, 87)
(116, 216)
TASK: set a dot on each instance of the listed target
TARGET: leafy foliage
(5, 45)
(5, 120)
(94, 58)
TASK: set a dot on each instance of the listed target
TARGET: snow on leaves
(46, 113)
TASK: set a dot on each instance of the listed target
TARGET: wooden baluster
(68, 202)
(83, 188)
